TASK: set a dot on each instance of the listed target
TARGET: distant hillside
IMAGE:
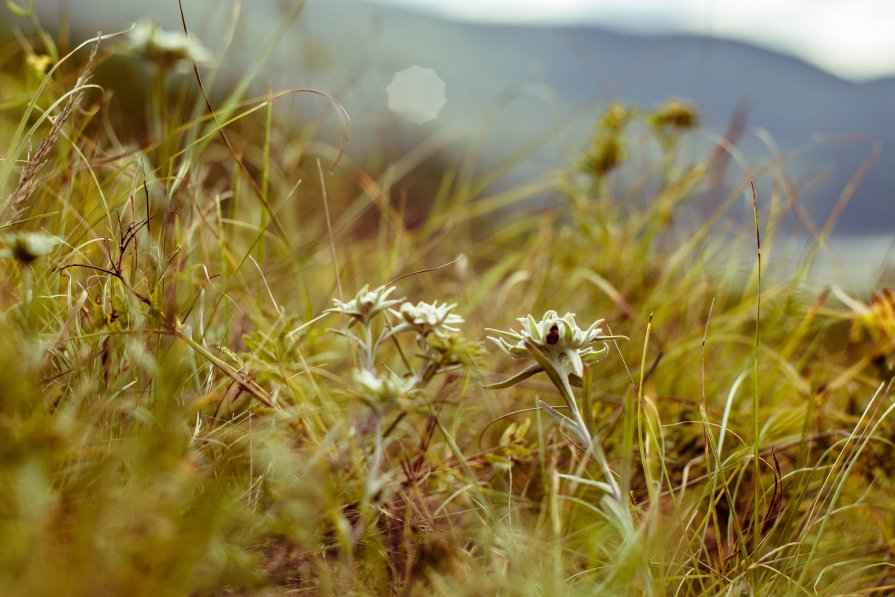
(352, 50)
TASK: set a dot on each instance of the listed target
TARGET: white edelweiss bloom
(560, 348)
(366, 304)
(28, 246)
(383, 388)
(559, 338)
(166, 47)
(426, 318)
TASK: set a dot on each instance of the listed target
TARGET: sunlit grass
(184, 408)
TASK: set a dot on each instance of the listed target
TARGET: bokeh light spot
(416, 94)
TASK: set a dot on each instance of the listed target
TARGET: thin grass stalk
(756, 447)
(641, 440)
(881, 392)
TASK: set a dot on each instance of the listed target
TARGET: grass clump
(192, 402)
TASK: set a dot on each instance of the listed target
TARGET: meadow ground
(227, 367)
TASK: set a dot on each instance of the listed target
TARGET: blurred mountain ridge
(523, 80)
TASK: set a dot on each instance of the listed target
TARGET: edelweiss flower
(366, 304)
(560, 348)
(28, 246)
(560, 339)
(385, 388)
(166, 48)
(426, 318)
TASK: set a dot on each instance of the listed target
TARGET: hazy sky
(852, 38)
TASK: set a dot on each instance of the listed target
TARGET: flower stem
(593, 447)
(373, 477)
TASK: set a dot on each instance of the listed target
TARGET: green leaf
(598, 484)
(549, 366)
(563, 421)
(511, 381)
(346, 334)
(20, 11)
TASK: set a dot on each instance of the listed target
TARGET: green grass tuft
(184, 409)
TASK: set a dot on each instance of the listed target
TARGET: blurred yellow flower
(39, 63)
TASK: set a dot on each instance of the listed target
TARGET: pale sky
(851, 38)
